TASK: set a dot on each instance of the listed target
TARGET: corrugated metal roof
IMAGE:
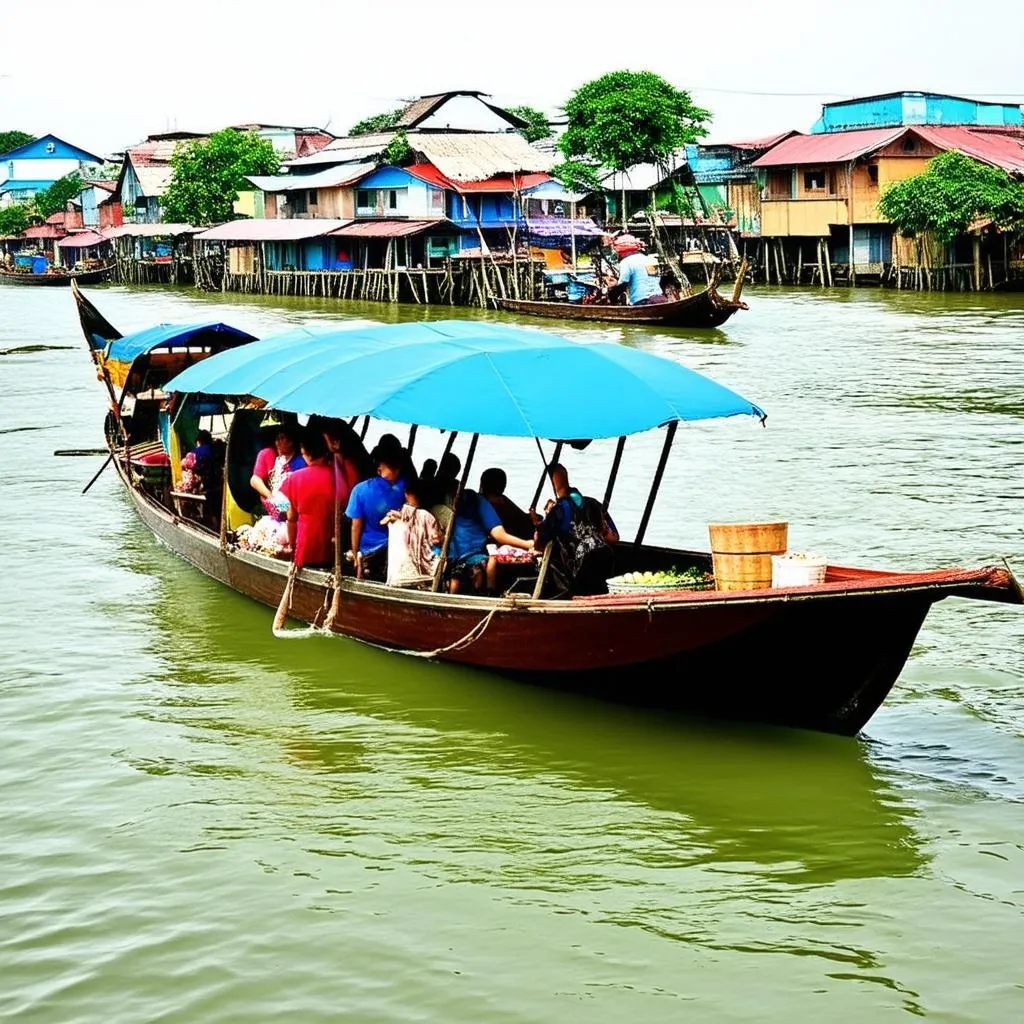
(332, 177)
(475, 157)
(155, 152)
(150, 230)
(640, 177)
(154, 180)
(386, 228)
(270, 230)
(1005, 150)
(420, 109)
(81, 240)
(43, 231)
(346, 150)
(830, 148)
(504, 183)
(764, 143)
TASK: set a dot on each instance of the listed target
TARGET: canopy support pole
(658, 474)
(412, 438)
(615, 470)
(543, 472)
(366, 427)
(450, 442)
(443, 558)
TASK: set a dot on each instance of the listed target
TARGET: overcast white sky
(105, 76)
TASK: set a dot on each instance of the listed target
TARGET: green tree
(13, 220)
(55, 198)
(14, 140)
(377, 123)
(954, 191)
(578, 175)
(397, 152)
(537, 126)
(630, 117)
(209, 175)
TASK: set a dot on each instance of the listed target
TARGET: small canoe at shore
(57, 279)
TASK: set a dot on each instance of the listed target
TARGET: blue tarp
(467, 376)
(130, 347)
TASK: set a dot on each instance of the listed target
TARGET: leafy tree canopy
(578, 175)
(209, 175)
(13, 220)
(377, 123)
(14, 140)
(397, 152)
(630, 117)
(537, 123)
(55, 198)
(954, 191)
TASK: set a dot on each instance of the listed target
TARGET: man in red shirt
(310, 493)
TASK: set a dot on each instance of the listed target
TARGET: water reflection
(472, 762)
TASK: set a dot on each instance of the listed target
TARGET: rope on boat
(282, 612)
(465, 641)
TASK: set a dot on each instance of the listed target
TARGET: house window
(364, 198)
(873, 173)
(392, 197)
(312, 197)
(814, 181)
(909, 144)
(436, 201)
(51, 148)
(297, 202)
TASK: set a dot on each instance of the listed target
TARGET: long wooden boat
(705, 308)
(59, 278)
(723, 653)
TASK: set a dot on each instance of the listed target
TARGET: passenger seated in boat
(582, 533)
(446, 480)
(368, 504)
(477, 523)
(310, 494)
(414, 540)
(197, 465)
(272, 465)
(492, 486)
(269, 534)
(390, 444)
(634, 277)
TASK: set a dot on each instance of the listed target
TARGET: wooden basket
(742, 553)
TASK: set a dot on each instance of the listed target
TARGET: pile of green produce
(692, 577)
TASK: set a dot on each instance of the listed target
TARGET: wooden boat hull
(708, 308)
(820, 657)
(58, 280)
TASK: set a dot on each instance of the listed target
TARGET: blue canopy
(468, 376)
(130, 347)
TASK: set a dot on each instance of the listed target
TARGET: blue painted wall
(914, 108)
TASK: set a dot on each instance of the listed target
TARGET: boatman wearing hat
(633, 274)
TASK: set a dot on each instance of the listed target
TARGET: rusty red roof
(43, 231)
(505, 183)
(828, 148)
(386, 228)
(764, 143)
(1001, 149)
(430, 174)
(81, 240)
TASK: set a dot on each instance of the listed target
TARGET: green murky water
(202, 823)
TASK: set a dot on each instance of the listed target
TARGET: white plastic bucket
(798, 569)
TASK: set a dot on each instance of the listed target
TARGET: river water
(202, 823)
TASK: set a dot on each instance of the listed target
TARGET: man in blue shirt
(369, 502)
(476, 523)
(633, 274)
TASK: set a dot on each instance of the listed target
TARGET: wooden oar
(286, 598)
(106, 462)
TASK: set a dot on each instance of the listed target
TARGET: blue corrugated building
(891, 110)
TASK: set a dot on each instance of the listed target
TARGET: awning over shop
(270, 230)
(81, 240)
(388, 228)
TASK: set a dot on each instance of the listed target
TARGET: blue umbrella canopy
(131, 346)
(467, 376)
